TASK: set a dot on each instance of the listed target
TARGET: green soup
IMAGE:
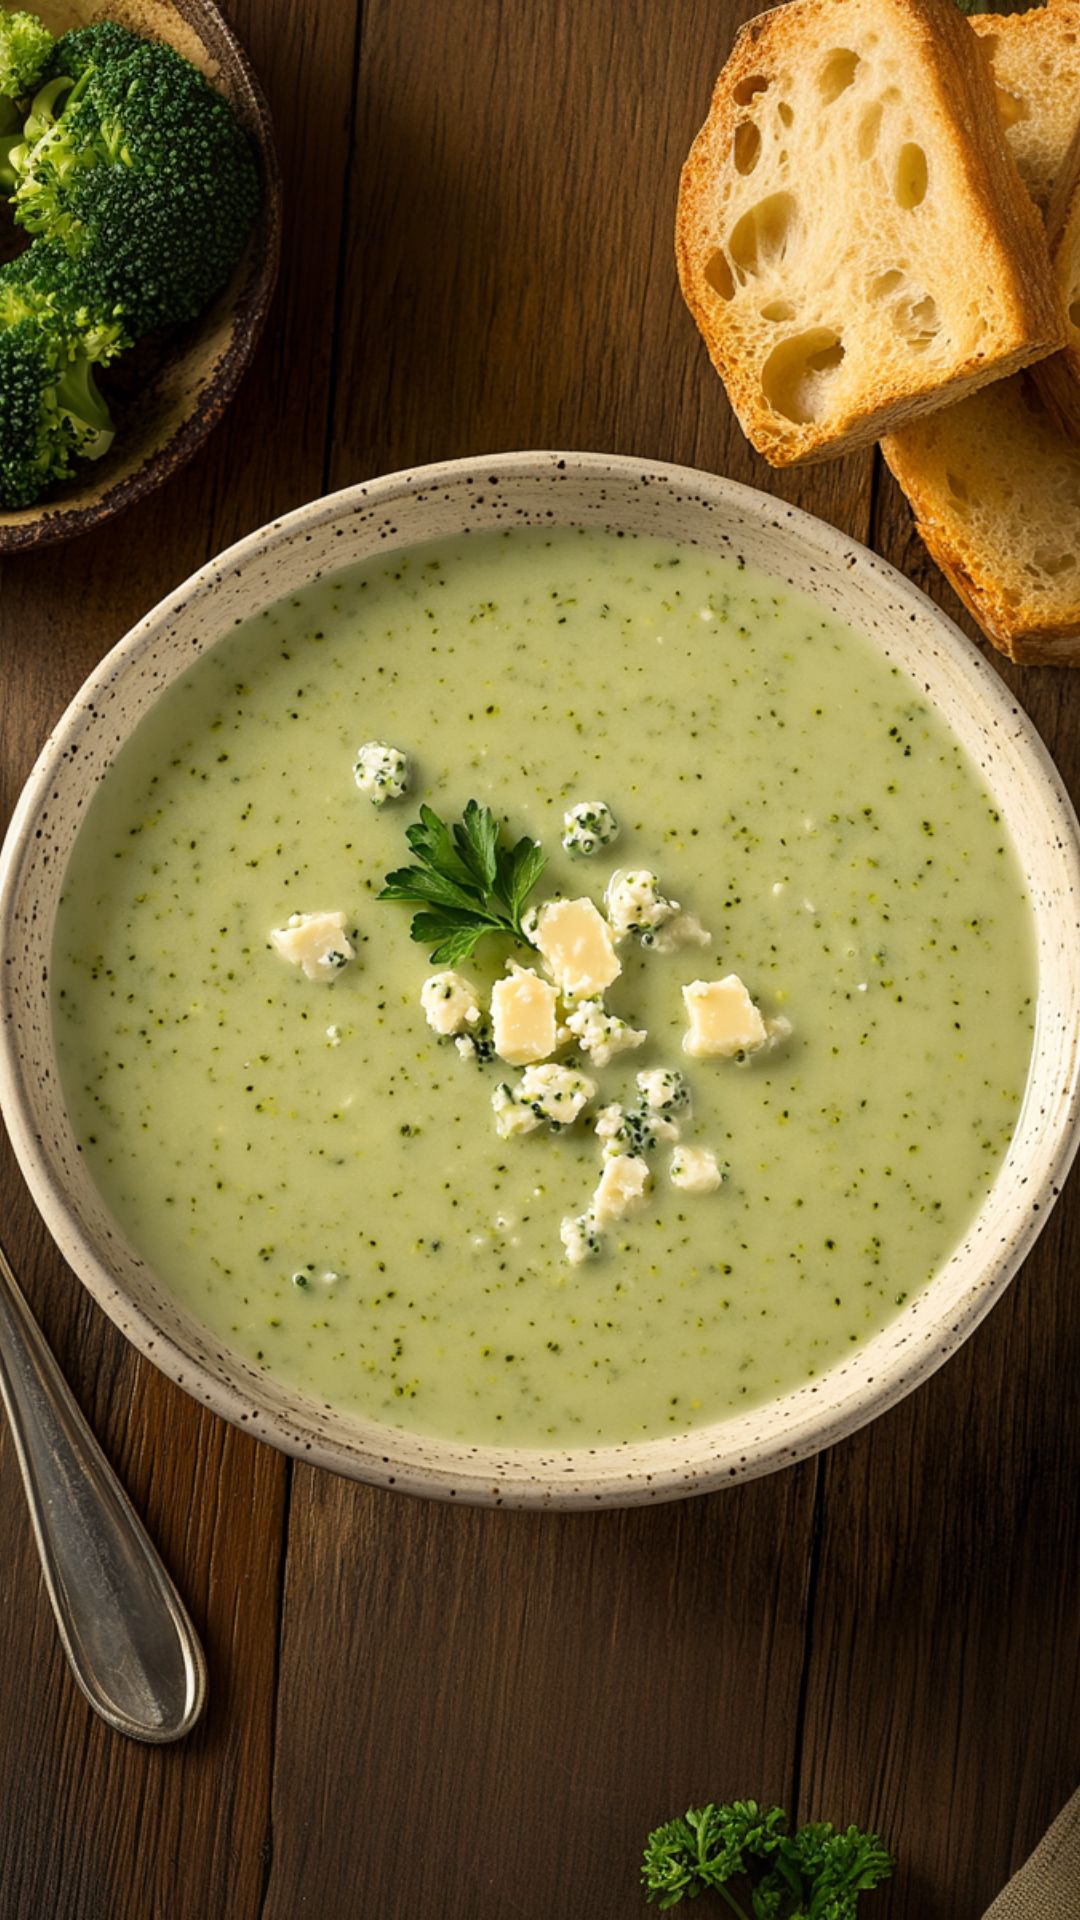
(319, 1178)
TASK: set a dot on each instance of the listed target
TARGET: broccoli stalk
(11, 136)
(84, 408)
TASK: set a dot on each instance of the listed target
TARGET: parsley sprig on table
(816, 1873)
(468, 883)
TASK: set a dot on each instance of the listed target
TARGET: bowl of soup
(694, 1104)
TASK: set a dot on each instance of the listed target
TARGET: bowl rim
(690, 1463)
(49, 522)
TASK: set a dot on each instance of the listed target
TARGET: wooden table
(446, 1714)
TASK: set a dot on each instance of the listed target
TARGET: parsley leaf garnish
(466, 881)
(815, 1873)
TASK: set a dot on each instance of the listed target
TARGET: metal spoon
(124, 1628)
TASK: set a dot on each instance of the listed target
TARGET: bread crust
(1016, 629)
(1003, 224)
(1058, 378)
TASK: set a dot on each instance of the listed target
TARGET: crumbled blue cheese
(580, 1238)
(724, 1022)
(477, 1045)
(623, 1184)
(625, 1177)
(544, 1093)
(511, 1117)
(588, 827)
(695, 1170)
(621, 1188)
(381, 771)
(576, 944)
(314, 942)
(523, 1016)
(664, 1090)
(601, 1035)
(450, 1002)
(632, 1130)
(635, 905)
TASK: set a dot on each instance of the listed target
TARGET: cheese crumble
(450, 1002)
(695, 1170)
(635, 905)
(544, 1093)
(588, 827)
(576, 944)
(523, 1017)
(724, 1021)
(381, 771)
(602, 1035)
(621, 1189)
(314, 942)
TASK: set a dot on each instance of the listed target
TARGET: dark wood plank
(943, 1690)
(485, 1713)
(95, 1828)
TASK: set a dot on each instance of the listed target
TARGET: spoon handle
(124, 1628)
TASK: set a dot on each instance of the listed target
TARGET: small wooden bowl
(170, 391)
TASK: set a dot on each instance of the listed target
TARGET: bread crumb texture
(995, 486)
(1035, 68)
(853, 237)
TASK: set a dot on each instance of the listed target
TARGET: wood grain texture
(505, 1701)
(95, 1828)
(423, 1713)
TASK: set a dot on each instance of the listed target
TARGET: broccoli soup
(544, 988)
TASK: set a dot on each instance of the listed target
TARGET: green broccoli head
(25, 50)
(139, 171)
(51, 413)
(44, 279)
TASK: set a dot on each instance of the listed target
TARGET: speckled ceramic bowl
(170, 391)
(522, 490)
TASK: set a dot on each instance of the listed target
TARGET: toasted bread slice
(853, 237)
(1058, 377)
(995, 487)
(1035, 66)
(995, 481)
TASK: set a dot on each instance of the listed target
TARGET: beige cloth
(1047, 1886)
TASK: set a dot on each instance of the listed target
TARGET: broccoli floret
(44, 281)
(51, 413)
(44, 274)
(25, 49)
(140, 172)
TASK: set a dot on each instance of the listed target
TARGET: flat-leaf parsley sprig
(468, 883)
(816, 1873)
